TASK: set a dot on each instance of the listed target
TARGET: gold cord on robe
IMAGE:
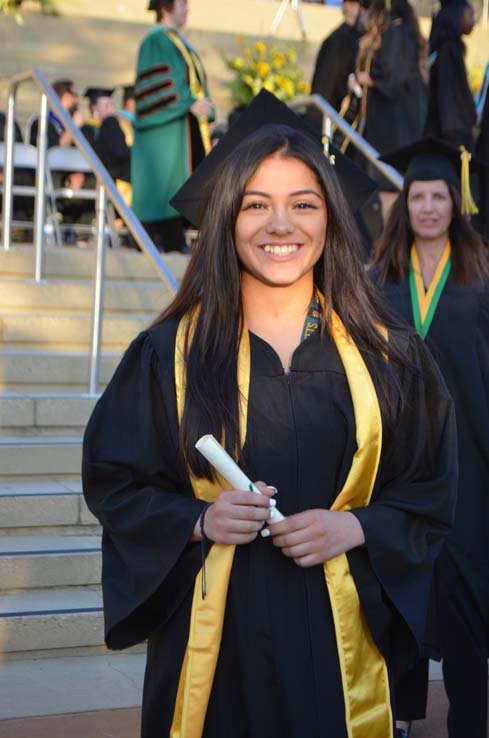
(196, 77)
(363, 669)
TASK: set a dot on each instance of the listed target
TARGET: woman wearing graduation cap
(171, 128)
(434, 269)
(275, 344)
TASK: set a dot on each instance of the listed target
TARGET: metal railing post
(8, 170)
(40, 202)
(98, 297)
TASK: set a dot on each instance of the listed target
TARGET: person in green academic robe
(277, 345)
(171, 123)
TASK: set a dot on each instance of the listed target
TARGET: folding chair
(61, 160)
(25, 158)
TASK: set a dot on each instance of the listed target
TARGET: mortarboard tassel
(468, 205)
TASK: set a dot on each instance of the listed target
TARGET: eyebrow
(292, 194)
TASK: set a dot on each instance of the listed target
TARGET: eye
(254, 205)
(303, 205)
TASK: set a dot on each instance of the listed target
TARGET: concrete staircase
(51, 623)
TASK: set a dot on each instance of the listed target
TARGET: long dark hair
(469, 254)
(211, 288)
(380, 19)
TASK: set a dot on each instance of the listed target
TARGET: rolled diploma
(228, 468)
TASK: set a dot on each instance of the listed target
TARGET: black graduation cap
(431, 159)
(265, 110)
(153, 5)
(93, 93)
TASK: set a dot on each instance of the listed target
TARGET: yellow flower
(288, 87)
(238, 63)
(303, 87)
(268, 85)
(260, 47)
(292, 55)
(279, 61)
(262, 69)
(248, 80)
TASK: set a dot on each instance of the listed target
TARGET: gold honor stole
(196, 76)
(363, 669)
(423, 303)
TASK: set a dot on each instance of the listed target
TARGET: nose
(279, 222)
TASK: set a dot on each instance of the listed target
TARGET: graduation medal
(424, 303)
(363, 669)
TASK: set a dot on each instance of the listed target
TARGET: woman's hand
(364, 79)
(202, 108)
(236, 517)
(315, 536)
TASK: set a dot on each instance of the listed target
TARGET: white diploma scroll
(228, 468)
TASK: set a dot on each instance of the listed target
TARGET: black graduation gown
(334, 62)
(113, 150)
(397, 103)
(451, 110)
(277, 674)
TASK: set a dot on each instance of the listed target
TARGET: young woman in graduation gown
(275, 344)
(451, 109)
(434, 270)
(171, 132)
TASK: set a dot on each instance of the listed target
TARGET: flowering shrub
(476, 77)
(270, 67)
(13, 8)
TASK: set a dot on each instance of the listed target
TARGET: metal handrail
(106, 190)
(332, 117)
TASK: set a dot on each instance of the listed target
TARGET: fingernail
(272, 503)
(275, 490)
(265, 533)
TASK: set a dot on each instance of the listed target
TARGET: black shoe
(403, 732)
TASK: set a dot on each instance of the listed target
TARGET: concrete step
(49, 504)
(80, 264)
(51, 371)
(45, 413)
(61, 295)
(68, 684)
(40, 329)
(50, 619)
(22, 456)
(49, 561)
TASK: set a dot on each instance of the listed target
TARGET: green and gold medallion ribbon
(424, 303)
(196, 76)
(363, 669)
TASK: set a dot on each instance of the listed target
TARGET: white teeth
(280, 250)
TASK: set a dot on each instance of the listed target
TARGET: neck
(169, 23)
(429, 254)
(263, 304)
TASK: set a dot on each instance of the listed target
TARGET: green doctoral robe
(164, 129)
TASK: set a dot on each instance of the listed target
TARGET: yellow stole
(196, 76)
(363, 669)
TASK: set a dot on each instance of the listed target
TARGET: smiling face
(430, 209)
(280, 230)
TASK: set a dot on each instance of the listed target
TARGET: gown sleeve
(394, 64)
(413, 504)
(140, 493)
(162, 91)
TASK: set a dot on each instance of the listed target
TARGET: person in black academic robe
(458, 337)
(391, 63)
(451, 109)
(336, 60)
(482, 153)
(279, 669)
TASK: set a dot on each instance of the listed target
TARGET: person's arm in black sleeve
(135, 485)
(413, 504)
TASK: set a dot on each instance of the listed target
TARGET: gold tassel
(330, 157)
(468, 205)
(388, 5)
